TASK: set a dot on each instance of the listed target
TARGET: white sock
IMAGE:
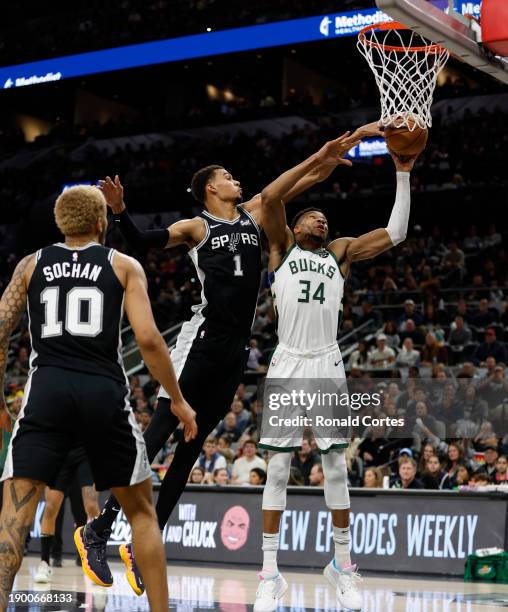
(341, 539)
(270, 548)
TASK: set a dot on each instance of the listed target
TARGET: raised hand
(369, 130)
(113, 192)
(403, 163)
(332, 153)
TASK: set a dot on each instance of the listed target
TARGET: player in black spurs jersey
(212, 348)
(77, 390)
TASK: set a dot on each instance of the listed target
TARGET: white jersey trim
(205, 212)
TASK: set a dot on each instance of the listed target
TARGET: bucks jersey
(307, 288)
(75, 308)
(228, 264)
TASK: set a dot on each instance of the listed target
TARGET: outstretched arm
(273, 214)
(186, 231)
(377, 241)
(315, 175)
(12, 306)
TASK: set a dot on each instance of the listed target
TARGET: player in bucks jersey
(307, 280)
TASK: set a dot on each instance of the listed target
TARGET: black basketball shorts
(75, 467)
(209, 362)
(63, 409)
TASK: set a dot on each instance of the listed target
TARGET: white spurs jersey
(307, 290)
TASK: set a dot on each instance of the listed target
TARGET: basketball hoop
(405, 65)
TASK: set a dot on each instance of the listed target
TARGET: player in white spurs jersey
(307, 279)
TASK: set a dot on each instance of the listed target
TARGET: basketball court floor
(209, 587)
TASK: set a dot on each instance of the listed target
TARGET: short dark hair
(303, 212)
(200, 180)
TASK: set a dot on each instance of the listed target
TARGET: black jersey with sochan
(75, 307)
(228, 263)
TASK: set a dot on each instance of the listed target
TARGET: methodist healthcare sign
(400, 531)
(275, 34)
(293, 31)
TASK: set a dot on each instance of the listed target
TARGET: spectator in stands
(485, 437)
(304, 459)
(228, 427)
(210, 459)
(454, 257)
(428, 451)
(410, 312)
(472, 242)
(197, 475)
(392, 337)
(493, 237)
(425, 424)
(454, 459)
(143, 418)
(372, 478)
(247, 462)
(491, 455)
(360, 356)
(479, 479)
(242, 415)
(295, 477)
(409, 330)
(220, 477)
(459, 334)
(490, 348)
(375, 449)
(382, 356)
(501, 473)
(224, 448)
(316, 476)
(254, 356)
(408, 355)
(463, 475)
(478, 290)
(433, 351)
(407, 476)
(449, 409)
(369, 314)
(483, 317)
(434, 477)
(257, 477)
(21, 365)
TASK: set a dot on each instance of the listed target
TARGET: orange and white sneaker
(92, 550)
(131, 569)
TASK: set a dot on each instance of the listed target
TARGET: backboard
(447, 29)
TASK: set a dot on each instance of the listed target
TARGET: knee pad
(335, 471)
(277, 476)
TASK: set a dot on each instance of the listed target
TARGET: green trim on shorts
(280, 449)
(334, 447)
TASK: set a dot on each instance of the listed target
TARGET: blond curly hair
(78, 208)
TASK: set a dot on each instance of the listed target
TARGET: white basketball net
(406, 66)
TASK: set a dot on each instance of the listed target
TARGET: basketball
(403, 141)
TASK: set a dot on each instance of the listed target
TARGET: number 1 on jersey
(238, 265)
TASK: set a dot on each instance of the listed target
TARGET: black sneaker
(131, 569)
(57, 562)
(92, 550)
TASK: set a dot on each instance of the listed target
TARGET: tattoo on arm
(16, 519)
(12, 305)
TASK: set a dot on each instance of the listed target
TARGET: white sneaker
(345, 582)
(43, 573)
(270, 592)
